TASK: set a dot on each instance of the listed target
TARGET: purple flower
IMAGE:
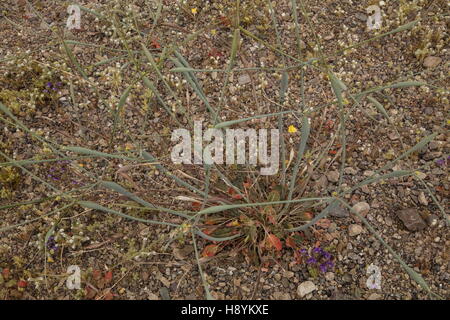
(49, 84)
(323, 267)
(303, 251)
(51, 243)
(326, 255)
(440, 162)
(318, 250)
(311, 260)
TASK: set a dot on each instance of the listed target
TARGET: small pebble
(305, 288)
(354, 230)
(431, 62)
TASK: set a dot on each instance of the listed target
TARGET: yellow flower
(292, 129)
(194, 11)
(213, 32)
(185, 227)
(233, 224)
(128, 146)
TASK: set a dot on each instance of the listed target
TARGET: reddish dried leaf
(272, 219)
(196, 206)
(155, 44)
(210, 250)
(290, 243)
(247, 184)
(275, 242)
(108, 277)
(306, 216)
(96, 274)
(225, 21)
(215, 53)
(237, 196)
(5, 273)
(209, 230)
(22, 284)
(329, 124)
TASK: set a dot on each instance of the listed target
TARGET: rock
(305, 288)
(181, 254)
(422, 199)
(350, 170)
(361, 17)
(432, 220)
(288, 274)
(164, 293)
(332, 228)
(393, 136)
(375, 296)
(354, 230)
(281, 296)
(347, 278)
(329, 276)
(389, 221)
(277, 277)
(434, 145)
(411, 219)
(432, 155)
(244, 79)
(369, 173)
(375, 204)
(339, 211)
(333, 176)
(337, 295)
(362, 208)
(428, 111)
(152, 296)
(321, 183)
(431, 62)
(365, 189)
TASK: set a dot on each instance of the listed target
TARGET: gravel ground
(123, 259)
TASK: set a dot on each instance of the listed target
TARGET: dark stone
(411, 219)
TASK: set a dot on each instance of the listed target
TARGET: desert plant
(253, 216)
